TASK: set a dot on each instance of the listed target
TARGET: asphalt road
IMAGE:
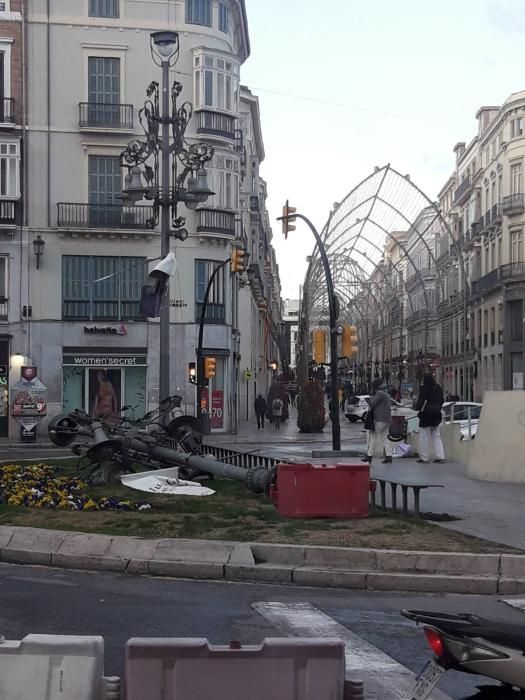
(40, 600)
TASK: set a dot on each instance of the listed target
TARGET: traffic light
(192, 372)
(349, 341)
(152, 294)
(210, 365)
(319, 346)
(288, 218)
(237, 260)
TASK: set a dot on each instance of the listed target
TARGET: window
(104, 8)
(103, 91)
(215, 311)
(515, 178)
(516, 319)
(105, 186)
(517, 246)
(223, 17)
(216, 83)
(225, 183)
(4, 6)
(3, 277)
(10, 170)
(198, 12)
(102, 288)
(516, 127)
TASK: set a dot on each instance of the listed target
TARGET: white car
(357, 407)
(463, 412)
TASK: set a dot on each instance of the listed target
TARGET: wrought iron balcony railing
(75, 215)
(505, 273)
(216, 221)
(7, 110)
(3, 308)
(215, 313)
(514, 204)
(463, 191)
(215, 124)
(100, 115)
(8, 211)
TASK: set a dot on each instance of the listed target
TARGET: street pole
(334, 334)
(164, 330)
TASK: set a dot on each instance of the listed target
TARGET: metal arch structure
(386, 208)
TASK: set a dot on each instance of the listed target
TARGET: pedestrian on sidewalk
(380, 408)
(292, 397)
(260, 410)
(429, 404)
(277, 412)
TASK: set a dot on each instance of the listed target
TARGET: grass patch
(235, 514)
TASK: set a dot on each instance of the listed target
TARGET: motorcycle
(472, 644)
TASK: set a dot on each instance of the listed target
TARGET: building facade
(89, 65)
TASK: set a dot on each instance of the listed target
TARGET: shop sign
(217, 409)
(105, 360)
(28, 395)
(106, 330)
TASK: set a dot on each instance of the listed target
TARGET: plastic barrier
(192, 669)
(52, 667)
(322, 491)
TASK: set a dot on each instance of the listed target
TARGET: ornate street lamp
(38, 249)
(172, 169)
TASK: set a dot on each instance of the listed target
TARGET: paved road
(118, 607)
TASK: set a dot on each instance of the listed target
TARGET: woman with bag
(429, 403)
(378, 422)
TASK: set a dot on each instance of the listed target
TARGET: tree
(311, 415)
(277, 391)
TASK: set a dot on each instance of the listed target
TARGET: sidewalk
(490, 510)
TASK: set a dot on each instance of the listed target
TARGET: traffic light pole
(200, 357)
(334, 333)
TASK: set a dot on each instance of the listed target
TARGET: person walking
(380, 408)
(277, 412)
(260, 410)
(292, 396)
(428, 405)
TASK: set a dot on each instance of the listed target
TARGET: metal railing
(4, 309)
(215, 123)
(510, 271)
(7, 110)
(240, 459)
(105, 116)
(216, 221)
(215, 313)
(463, 188)
(75, 215)
(7, 211)
(514, 204)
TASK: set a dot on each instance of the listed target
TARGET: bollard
(112, 688)
(354, 690)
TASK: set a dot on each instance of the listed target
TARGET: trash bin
(397, 431)
(322, 491)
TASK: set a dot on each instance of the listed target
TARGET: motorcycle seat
(501, 633)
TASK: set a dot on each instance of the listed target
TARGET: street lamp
(38, 248)
(166, 170)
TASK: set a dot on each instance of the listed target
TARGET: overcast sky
(345, 85)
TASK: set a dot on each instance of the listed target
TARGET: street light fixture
(161, 165)
(38, 248)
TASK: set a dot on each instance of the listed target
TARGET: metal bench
(405, 485)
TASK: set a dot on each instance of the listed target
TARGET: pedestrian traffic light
(192, 372)
(210, 365)
(349, 341)
(237, 260)
(287, 219)
(319, 346)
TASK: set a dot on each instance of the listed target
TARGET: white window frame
(4, 293)
(224, 9)
(105, 17)
(5, 48)
(104, 51)
(225, 180)
(516, 127)
(517, 246)
(12, 169)
(220, 73)
(516, 178)
(199, 24)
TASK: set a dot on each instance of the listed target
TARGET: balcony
(7, 110)
(98, 115)
(254, 203)
(462, 193)
(107, 216)
(216, 221)
(8, 212)
(514, 204)
(215, 313)
(215, 124)
(506, 273)
(3, 308)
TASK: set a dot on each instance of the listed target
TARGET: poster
(217, 409)
(105, 393)
(28, 395)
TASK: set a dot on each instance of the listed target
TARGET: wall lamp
(38, 247)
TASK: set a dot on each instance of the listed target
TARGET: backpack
(277, 405)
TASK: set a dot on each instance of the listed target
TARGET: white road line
(518, 603)
(384, 678)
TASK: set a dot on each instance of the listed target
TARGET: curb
(301, 565)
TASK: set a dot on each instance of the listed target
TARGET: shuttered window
(198, 12)
(104, 8)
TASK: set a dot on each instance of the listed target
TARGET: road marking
(518, 603)
(383, 677)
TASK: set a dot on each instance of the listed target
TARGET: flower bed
(39, 486)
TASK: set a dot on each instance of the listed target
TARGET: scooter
(472, 644)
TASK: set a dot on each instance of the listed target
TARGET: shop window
(102, 288)
(216, 309)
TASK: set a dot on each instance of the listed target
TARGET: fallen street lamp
(166, 170)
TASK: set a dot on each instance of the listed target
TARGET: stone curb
(301, 565)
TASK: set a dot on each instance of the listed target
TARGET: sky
(346, 85)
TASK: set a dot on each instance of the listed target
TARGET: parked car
(357, 407)
(463, 412)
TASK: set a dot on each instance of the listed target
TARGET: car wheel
(352, 419)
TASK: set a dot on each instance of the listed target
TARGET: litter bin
(397, 431)
(322, 491)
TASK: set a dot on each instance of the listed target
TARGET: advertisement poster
(104, 393)
(28, 395)
(217, 409)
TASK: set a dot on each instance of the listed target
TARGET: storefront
(101, 381)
